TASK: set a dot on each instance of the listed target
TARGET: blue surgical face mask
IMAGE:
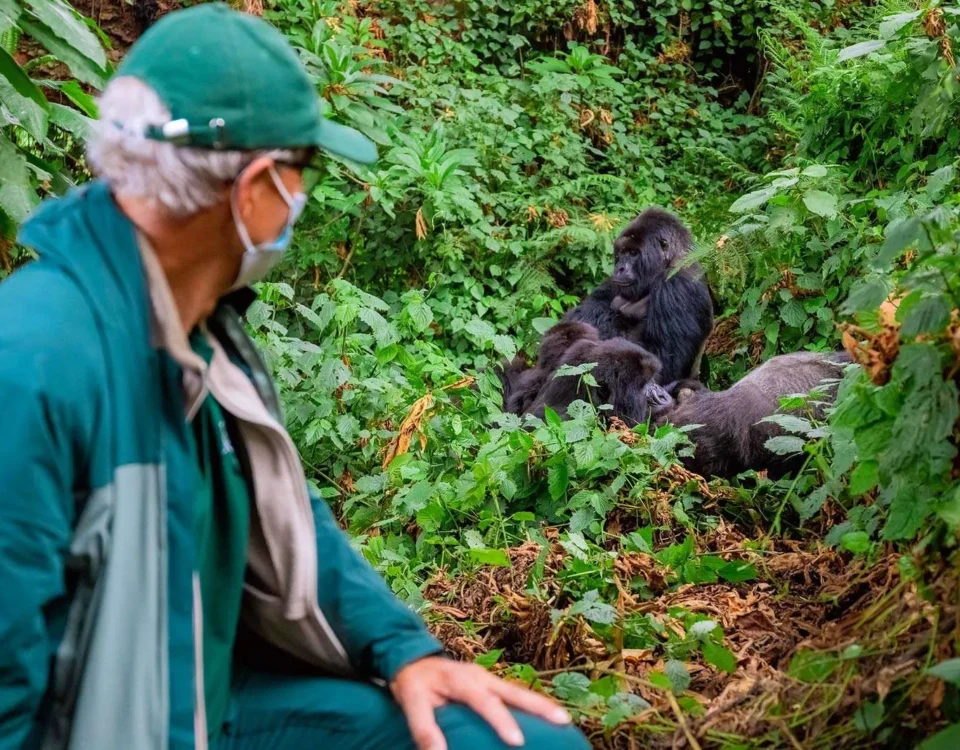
(259, 259)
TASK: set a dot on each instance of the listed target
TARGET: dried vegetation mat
(820, 641)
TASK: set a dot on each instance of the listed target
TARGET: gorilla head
(648, 300)
(649, 245)
(625, 376)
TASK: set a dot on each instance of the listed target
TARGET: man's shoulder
(47, 329)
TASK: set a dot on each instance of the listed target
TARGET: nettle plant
(895, 424)
(43, 122)
(791, 256)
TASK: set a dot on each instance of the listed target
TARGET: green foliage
(40, 138)
(811, 146)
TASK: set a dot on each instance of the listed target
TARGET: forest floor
(812, 636)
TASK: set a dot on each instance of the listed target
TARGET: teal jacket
(99, 625)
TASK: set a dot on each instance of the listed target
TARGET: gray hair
(179, 180)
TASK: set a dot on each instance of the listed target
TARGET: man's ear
(254, 180)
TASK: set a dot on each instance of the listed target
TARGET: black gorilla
(732, 438)
(625, 375)
(670, 316)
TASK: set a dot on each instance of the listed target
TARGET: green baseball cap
(232, 81)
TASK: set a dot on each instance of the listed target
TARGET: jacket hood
(86, 235)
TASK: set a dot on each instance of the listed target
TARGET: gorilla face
(644, 251)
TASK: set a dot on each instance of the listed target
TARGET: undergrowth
(811, 147)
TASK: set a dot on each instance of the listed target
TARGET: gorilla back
(668, 315)
(732, 437)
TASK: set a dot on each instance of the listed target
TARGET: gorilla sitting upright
(668, 315)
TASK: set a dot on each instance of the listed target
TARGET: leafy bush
(812, 148)
(40, 137)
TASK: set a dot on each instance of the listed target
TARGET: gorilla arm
(679, 319)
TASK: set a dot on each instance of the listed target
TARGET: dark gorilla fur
(669, 317)
(732, 437)
(522, 383)
(621, 372)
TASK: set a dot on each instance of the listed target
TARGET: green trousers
(284, 712)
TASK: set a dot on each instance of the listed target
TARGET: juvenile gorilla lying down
(732, 436)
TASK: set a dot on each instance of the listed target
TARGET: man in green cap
(168, 581)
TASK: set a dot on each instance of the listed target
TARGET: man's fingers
(531, 702)
(488, 704)
(423, 723)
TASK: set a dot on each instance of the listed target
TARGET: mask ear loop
(296, 203)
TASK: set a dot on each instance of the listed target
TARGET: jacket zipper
(200, 710)
(310, 605)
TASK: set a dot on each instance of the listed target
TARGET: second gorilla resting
(731, 438)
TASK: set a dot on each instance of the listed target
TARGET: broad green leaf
(558, 480)
(892, 24)
(572, 687)
(9, 13)
(595, 610)
(790, 423)
(857, 542)
(940, 180)
(474, 539)
(737, 572)
(867, 295)
(793, 314)
(784, 445)
(863, 478)
(703, 628)
(81, 98)
(481, 329)
(421, 316)
(660, 680)
(69, 26)
(80, 65)
(820, 203)
(815, 170)
(907, 513)
(542, 325)
(580, 521)
(948, 670)
(860, 49)
(948, 509)
(489, 659)
(868, 716)
(898, 238)
(678, 675)
(415, 499)
(22, 98)
(753, 200)
(718, 656)
(946, 739)
(929, 315)
(496, 557)
(72, 121)
(17, 195)
(505, 346)
(621, 707)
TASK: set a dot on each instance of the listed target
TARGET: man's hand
(426, 685)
